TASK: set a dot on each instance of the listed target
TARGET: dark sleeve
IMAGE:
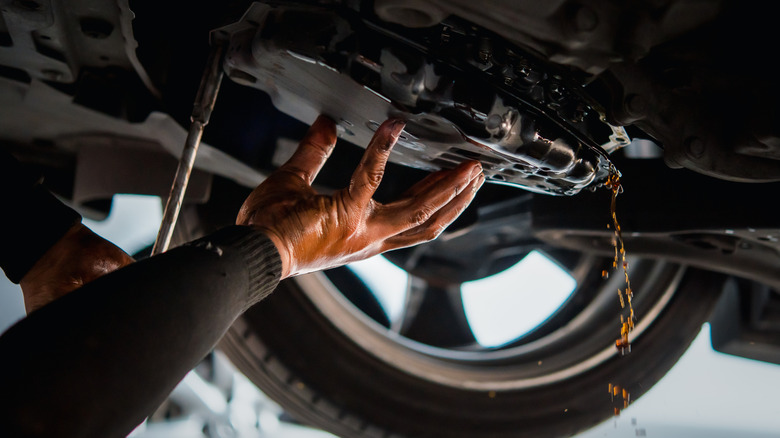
(32, 219)
(98, 361)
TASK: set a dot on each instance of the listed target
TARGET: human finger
(370, 171)
(427, 197)
(439, 221)
(431, 180)
(313, 150)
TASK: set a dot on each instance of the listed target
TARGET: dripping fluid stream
(626, 295)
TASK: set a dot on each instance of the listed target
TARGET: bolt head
(585, 19)
(695, 147)
(635, 105)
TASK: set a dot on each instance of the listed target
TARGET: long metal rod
(201, 112)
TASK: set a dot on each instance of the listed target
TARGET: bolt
(585, 19)
(578, 113)
(635, 105)
(445, 35)
(556, 91)
(485, 51)
(695, 147)
(509, 75)
(522, 68)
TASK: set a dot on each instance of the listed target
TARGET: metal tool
(201, 112)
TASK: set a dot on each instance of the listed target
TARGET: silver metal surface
(204, 105)
(533, 132)
(449, 367)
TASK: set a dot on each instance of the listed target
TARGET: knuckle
(374, 177)
(386, 145)
(296, 173)
(421, 216)
(433, 233)
(323, 145)
(322, 153)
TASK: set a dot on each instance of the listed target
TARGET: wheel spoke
(356, 291)
(434, 315)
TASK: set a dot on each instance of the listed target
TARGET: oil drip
(619, 395)
(626, 295)
(627, 317)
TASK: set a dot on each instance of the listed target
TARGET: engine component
(464, 92)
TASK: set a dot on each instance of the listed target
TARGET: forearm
(33, 220)
(99, 360)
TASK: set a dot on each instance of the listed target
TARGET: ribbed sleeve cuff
(263, 264)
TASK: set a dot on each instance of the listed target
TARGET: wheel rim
(541, 357)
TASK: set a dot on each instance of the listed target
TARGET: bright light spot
(193, 387)
(502, 307)
(132, 223)
(387, 282)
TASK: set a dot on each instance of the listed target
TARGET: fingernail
(475, 170)
(325, 122)
(397, 127)
(322, 118)
(480, 181)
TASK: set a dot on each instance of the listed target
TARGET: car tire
(340, 371)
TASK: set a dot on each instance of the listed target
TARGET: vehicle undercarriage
(679, 97)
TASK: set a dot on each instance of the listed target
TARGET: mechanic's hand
(79, 257)
(314, 232)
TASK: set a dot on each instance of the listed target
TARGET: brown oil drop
(620, 397)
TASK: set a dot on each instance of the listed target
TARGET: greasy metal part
(54, 41)
(106, 165)
(693, 75)
(201, 112)
(679, 216)
(587, 34)
(678, 112)
(746, 321)
(469, 96)
(23, 21)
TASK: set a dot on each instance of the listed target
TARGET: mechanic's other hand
(314, 231)
(79, 257)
